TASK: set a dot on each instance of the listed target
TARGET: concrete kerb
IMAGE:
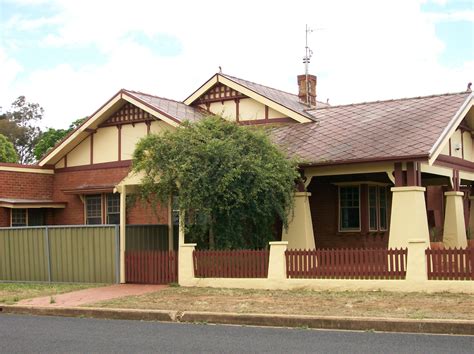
(458, 327)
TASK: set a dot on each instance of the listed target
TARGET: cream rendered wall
(105, 145)
(60, 163)
(250, 109)
(130, 136)
(456, 141)
(445, 150)
(274, 114)
(159, 126)
(81, 154)
(226, 109)
(467, 140)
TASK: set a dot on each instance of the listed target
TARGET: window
(373, 208)
(349, 208)
(36, 217)
(113, 208)
(383, 208)
(19, 217)
(93, 209)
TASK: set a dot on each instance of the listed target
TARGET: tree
(51, 137)
(19, 126)
(232, 182)
(7, 151)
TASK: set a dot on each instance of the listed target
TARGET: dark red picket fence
(231, 264)
(450, 263)
(347, 263)
(151, 267)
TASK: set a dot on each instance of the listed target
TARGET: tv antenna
(306, 61)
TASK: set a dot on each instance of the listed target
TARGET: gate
(148, 259)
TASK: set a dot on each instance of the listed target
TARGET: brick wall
(324, 212)
(25, 185)
(4, 217)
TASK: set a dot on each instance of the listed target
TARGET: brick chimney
(303, 86)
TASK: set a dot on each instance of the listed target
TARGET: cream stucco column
(185, 264)
(454, 231)
(277, 261)
(300, 229)
(408, 219)
(123, 224)
(416, 260)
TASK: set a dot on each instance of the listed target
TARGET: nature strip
(435, 326)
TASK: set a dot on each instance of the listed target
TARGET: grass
(304, 302)
(11, 293)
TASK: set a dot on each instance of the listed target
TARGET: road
(22, 334)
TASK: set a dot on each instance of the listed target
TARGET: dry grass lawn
(304, 302)
(11, 293)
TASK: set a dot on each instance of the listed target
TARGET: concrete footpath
(459, 327)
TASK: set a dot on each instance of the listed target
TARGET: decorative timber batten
(410, 177)
(128, 114)
(219, 92)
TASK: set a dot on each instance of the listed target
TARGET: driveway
(85, 296)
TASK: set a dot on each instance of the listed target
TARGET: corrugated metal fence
(84, 253)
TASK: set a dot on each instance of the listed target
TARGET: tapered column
(300, 229)
(123, 228)
(408, 219)
(454, 231)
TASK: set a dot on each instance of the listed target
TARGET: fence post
(186, 264)
(117, 254)
(47, 252)
(277, 261)
(416, 260)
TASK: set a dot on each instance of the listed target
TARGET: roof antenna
(306, 61)
(220, 69)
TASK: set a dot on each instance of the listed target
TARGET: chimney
(307, 89)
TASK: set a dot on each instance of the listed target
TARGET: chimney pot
(307, 90)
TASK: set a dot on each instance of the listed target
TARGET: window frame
(339, 206)
(379, 208)
(16, 210)
(86, 217)
(107, 211)
(377, 211)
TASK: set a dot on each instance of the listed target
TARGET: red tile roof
(371, 131)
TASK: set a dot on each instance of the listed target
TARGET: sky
(72, 56)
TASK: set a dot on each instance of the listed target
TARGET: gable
(128, 114)
(233, 105)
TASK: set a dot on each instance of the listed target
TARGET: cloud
(367, 50)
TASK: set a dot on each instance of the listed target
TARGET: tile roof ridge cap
(390, 100)
(256, 83)
(150, 95)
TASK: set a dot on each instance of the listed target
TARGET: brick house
(375, 173)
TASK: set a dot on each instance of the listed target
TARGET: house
(376, 173)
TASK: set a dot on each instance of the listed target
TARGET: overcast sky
(72, 56)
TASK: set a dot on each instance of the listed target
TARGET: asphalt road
(22, 334)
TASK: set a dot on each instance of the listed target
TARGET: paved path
(26, 334)
(85, 296)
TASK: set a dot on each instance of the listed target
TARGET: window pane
(349, 207)
(113, 208)
(18, 217)
(94, 209)
(372, 208)
(383, 208)
(36, 217)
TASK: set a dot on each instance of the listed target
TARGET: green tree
(232, 182)
(19, 125)
(51, 137)
(7, 151)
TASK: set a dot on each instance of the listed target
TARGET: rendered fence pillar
(300, 229)
(123, 228)
(408, 219)
(454, 231)
(185, 264)
(277, 261)
(182, 226)
(416, 260)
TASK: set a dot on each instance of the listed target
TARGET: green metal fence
(147, 237)
(60, 254)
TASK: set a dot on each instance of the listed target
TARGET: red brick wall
(73, 214)
(4, 217)
(25, 185)
(324, 212)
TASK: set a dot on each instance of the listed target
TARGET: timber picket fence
(151, 267)
(347, 263)
(231, 263)
(450, 263)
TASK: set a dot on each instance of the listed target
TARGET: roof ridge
(391, 100)
(155, 96)
(256, 83)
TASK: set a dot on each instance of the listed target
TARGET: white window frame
(339, 208)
